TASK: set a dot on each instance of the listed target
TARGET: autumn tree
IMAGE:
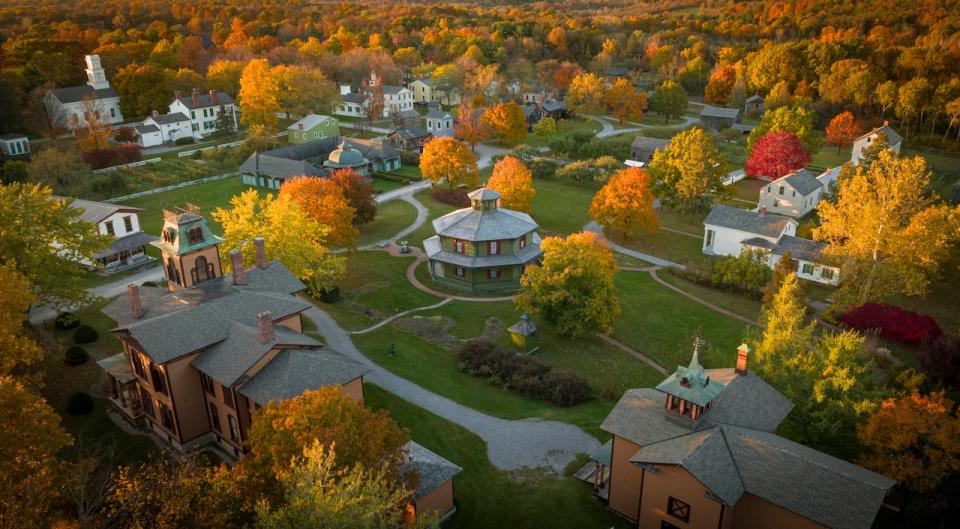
(448, 160)
(625, 204)
(293, 238)
(507, 122)
(259, 95)
(719, 85)
(225, 76)
(323, 200)
(775, 155)
(40, 239)
(669, 100)
(870, 153)
(319, 492)
(60, 167)
(29, 468)
(843, 129)
(546, 127)
(305, 90)
(143, 88)
(573, 288)
(359, 194)
(794, 119)
(785, 266)
(914, 439)
(17, 349)
(785, 330)
(374, 105)
(688, 171)
(514, 181)
(585, 94)
(281, 430)
(624, 101)
(888, 235)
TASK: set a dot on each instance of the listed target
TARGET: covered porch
(125, 253)
(123, 392)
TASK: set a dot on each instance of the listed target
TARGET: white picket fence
(174, 186)
(141, 163)
(359, 126)
(184, 154)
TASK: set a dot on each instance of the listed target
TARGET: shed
(524, 335)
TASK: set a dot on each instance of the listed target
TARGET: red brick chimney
(742, 352)
(300, 126)
(763, 210)
(155, 114)
(136, 307)
(213, 97)
(236, 262)
(261, 252)
(265, 326)
(196, 98)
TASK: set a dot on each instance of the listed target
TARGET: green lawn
(660, 323)
(487, 497)
(61, 381)
(561, 207)
(391, 218)
(740, 304)
(671, 246)
(565, 127)
(828, 157)
(209, 196)
(382, 185)
(436, 209)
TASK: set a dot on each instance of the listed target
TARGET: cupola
(690, 391)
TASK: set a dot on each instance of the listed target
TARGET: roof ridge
(733, 457)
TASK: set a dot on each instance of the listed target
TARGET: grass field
(436, 209)
(209, 196)
(561, 207)
(391, 218)
(565, 127)
(523, 500)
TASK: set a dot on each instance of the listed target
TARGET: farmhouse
(427, 91)
(717, 118)
(75, 106)
(701, 450)
(352, 104)
(312, 127)
(409, 138)
(861, 143)
(204, 110)
(127, 250)
(793, 195)
(482, 248)
(643, 148)
(159, 129)
(439, 123)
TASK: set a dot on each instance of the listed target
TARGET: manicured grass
(828, 157)
(661, 323)
(93, 279)
(940, 303)
(209, 196)
(435, 368)
(691, 223)
(560, 207)
(743, 305)
(381, 185)
(748, 189)
(487, 497)
(671, 246)
(410, 171)
(374, 288)
(565, 127)
(437, 209)
(391, 218)
(61, 381)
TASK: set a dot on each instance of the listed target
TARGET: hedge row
(522, 374)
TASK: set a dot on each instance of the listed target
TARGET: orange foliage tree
(624, 101)
(359, 194)
(507, 121)
(842, 130)
(322, 200)
(720, 85)
(469, 127)
(448, 160)
(914, 439)
(514, 181)
(625, 204)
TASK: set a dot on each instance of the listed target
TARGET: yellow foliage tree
(29, 468)
(448, 160)
(889, 236)
(259, 95)
(17, 350)
(624, 101)
(625, 204)
(514, 181)
(585, 94)
(507, 121)
(293, 238)
(322, 200)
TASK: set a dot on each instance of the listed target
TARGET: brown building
(701, 451)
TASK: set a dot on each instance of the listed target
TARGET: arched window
(172, 273)
(201, 271)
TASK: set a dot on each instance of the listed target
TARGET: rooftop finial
(697, 344)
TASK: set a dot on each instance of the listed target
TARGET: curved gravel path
(511, 444)
(422, 214)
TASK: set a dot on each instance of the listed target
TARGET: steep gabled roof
(227, 360)
(893, 137)
(76, 94)
(720, 112)
(205, 101)
(433, 469)
(766, 225)
(294, 371)
(801, 180)
(94, 212)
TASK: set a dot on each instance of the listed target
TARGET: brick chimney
(742, 352)
(261, 252)
(213, 97)
(178, 94)
(236, 262)
(300, 126)
(136, 307)
(763, 210)
(196, 98)
(265, 326)
(155, 114)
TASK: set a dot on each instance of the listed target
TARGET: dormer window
(523, 241)
(685, 382)
(195, 235)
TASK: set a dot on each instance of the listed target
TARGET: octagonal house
(482, 248)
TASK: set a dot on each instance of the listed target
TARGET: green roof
(174, 239)
(691, 383)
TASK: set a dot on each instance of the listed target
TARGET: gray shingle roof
(639, 417)
(528, 254)
(439, 114)
(94, 212)
(893, 137)
(372, 149)
(754, 97)
(433, 469)
(293, 160)
(354, 97)
(646, 142)
(552, 105)
(293, 371)
(803, 181)
(411, 133)
(127, 242)
(766, 225)
(800, 248)
(146, 129)
(492, 225)
(76, 94)
(228, 360)
(205, 101)
(720, 112)
(392, 90)
(165, 119)
(427, 81)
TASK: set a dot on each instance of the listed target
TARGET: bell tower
(96, 75)
(189, 252)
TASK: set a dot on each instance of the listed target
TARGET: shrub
(66, 321)
(543, 168)
(747, 271)
(186, 140)
(330, 295)
(124, 135)
(939, 359)
(85, 334)
(75, 356)
(80, 403)
(454, 197)
(119, 155)
(410, 158)
(894, 323)
(522, 374)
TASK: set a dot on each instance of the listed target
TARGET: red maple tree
(843, 129)
(776, 154)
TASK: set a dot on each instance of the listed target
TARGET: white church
(71, 107)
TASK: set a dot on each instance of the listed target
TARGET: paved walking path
(511, 444)
(609, 130)
(400, 315)
(594, 227)
(681, 232)
(705, 303)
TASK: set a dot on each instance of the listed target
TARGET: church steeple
(189, 250)
(96, 75)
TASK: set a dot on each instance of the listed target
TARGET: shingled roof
(720, 112)
(76, 94)
(766, 224)
(497, 224)
(433, 469)
(802, 180)
(293, 371)
(94, 212)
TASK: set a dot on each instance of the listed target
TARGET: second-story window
(493, 247)
(207, 384)
(458, 246)
(523, 241)
(146, 402)
(678, 509)
(157, 379)
(215, 416)
(109, 226)
(234, 431)
(137, 364)
(128, 223)
(227, 396)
